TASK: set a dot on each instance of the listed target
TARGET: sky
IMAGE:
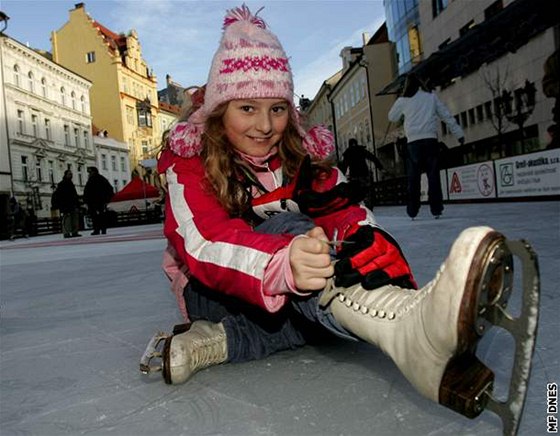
(179, 37)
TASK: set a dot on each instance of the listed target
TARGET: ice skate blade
(467, 384)
(152, 352)
(524, 331)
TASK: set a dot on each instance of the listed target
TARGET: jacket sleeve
(445, 115)
(223, 253)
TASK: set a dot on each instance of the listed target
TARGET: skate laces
(208, 349)
(387, 302)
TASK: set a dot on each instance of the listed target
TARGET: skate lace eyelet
(348, 303)
(356, 306)
(341, 298)
(391, 315)
(373, 313)
(365, 310)
(381, 314)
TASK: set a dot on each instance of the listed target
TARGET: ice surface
(76, 315)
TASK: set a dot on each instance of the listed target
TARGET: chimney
(79, 5)
(365, 38)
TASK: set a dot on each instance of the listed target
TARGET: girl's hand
(310, 261)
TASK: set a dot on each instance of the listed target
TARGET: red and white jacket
(225, 253)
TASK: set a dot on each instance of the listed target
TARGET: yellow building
(123, 95)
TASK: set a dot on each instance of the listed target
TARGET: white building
(112, 159)
(46, 125)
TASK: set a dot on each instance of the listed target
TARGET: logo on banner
(506, 174)
(485, 180)
(455, 187)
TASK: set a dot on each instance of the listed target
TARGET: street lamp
(364, 64)
(524, 106)
(4, 19)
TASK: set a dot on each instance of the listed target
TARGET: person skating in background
(354, 164)
(66, 200)
(267, 243)
(97, 194)
(422, 111)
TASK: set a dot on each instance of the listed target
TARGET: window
(16, 76)
(145, 149)
(144, 110)
(66, 134)
(123, 182)
(80, 174)
(464, 122)
(51, 171)
(24, 169)
(103, 161)
(44, 87)
(116, 185)
(480, 113)
(123, 164)
(21, 124)
(63, 96)
(34, 120)
(438, 6)
(73, 99)
(77, 136)
(414, 43)
(31, 82)
(83, 103)
(86, 139)
(38, 170)
(488, 110)
(130, 115)
(48, 129)
(90, 57)
(472, 119)
(114, 163)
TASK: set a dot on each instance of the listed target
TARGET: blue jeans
(252, 333)
(423, 156)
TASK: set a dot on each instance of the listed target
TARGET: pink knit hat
(249, 63)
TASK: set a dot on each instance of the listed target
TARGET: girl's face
(254, 126)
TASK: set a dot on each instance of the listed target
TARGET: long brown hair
(225, 168)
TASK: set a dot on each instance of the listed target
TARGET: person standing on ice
(265, 238)
(422, 111)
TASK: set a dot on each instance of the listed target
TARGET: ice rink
(76, 315)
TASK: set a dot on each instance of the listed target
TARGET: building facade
(124, 97)
(112, 160)
(46, 124)
(485, 60)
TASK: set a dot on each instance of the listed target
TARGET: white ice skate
(432, 334)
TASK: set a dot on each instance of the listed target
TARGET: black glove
(313, 203)
(373, 258)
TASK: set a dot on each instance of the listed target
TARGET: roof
(116, 42)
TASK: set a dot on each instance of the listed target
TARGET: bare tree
(497, 81)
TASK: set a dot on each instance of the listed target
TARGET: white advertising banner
(424, 186)
(474, 181)
(529, 174)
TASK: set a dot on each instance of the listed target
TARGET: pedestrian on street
(66, 200)
(422, 111)
(17, 219)
(267, 244)
(97, 194)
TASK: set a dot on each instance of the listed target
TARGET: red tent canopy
(136, 189)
